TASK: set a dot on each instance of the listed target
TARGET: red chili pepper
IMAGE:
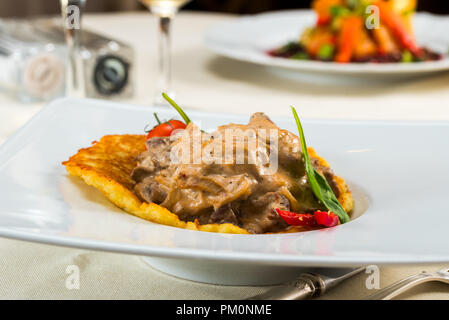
(297, 219)
(165, 129)
(326, 218)
(322, 218)
(393, 21)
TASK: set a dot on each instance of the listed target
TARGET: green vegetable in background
(318, 183)
(300, 56)
(326, 52)
(337, 11)
(407, 57)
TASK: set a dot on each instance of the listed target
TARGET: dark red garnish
(297, 219)
(326, 218)
(320, 218)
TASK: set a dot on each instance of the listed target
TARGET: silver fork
(410, 282)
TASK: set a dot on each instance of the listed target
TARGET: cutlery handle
(401, 286)
(300, 289)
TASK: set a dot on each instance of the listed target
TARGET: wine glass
(165, 10)
(72, 11)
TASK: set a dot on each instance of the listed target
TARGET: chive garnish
(178, 108)
(321, 189)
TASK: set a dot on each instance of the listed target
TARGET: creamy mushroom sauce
(241, 194)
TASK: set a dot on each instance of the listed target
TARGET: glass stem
(72, 24)
(164, 63)
(74, 77)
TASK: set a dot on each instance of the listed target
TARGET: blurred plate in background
(248, 39)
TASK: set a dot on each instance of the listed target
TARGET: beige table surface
(209, 82)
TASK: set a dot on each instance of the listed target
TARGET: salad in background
(378, 31)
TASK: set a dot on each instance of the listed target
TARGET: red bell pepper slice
(326, 218)
(297, 219)
(321, 218)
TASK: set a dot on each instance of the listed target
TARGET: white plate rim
(205, 254)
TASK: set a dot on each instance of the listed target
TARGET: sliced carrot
(402, 6)
(384, 40)
(349, 36)
(323, 7)
(396, 25)
(366, 46)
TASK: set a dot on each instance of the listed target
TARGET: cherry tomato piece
(165, 129)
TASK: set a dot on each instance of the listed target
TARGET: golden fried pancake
(107, 166)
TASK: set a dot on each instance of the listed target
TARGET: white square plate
(398, 171)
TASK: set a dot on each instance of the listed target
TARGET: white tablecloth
(206, 81)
